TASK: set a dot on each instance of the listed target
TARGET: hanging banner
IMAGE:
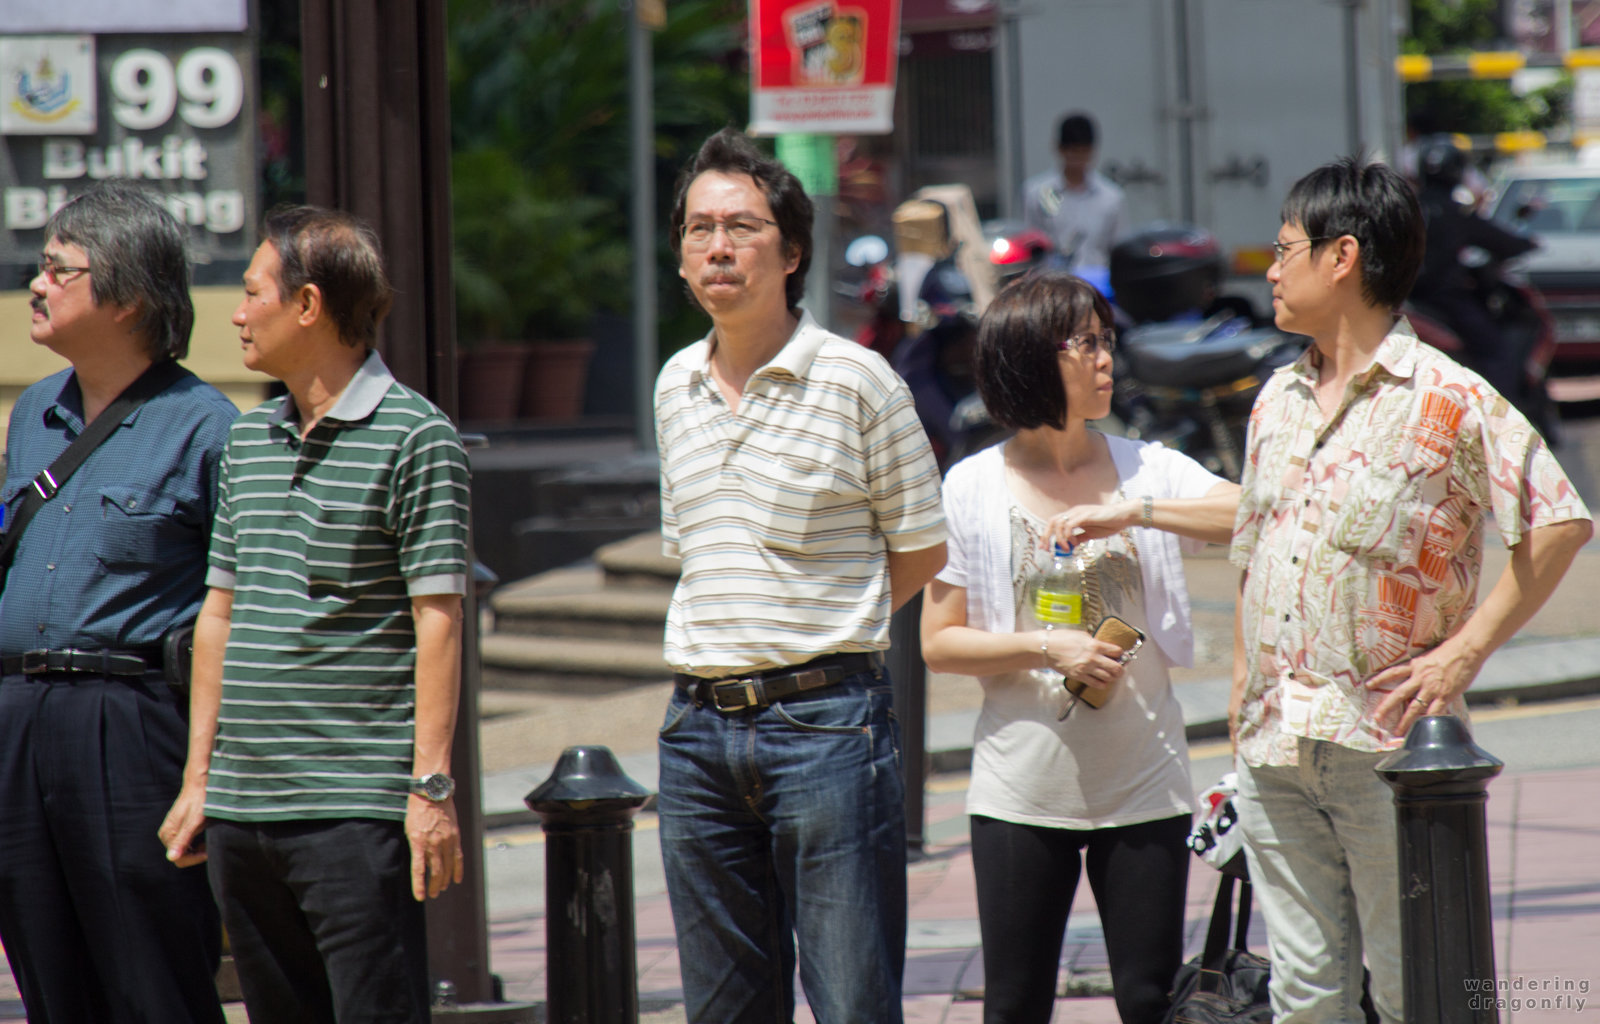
(823, 66)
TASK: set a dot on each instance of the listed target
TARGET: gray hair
(138, 256)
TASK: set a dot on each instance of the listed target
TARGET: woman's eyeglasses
(1088, 344)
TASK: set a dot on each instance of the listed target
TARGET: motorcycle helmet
(1440, 162)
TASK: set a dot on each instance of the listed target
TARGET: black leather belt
(101, 663)
(759, 689)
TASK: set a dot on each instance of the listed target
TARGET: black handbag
(1224, 984)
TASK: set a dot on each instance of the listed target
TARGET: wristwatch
(436, 786)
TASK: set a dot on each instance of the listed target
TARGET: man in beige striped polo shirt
(799, 490)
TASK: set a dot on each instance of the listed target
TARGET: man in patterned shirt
(327, 653)
(1372, 465)
(800, 491)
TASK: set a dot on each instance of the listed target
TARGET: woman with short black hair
(1108, 785)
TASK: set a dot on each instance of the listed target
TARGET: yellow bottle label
(1054, 608)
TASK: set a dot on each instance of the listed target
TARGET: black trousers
(321, 920)
(98, 925)
(1027, 876)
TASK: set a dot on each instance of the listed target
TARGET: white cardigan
(977, 502)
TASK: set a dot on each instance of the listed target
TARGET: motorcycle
(1191, 385)
(1190, 360)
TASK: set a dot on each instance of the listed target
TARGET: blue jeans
(321, 920)
(781, 824)
(1320, 841)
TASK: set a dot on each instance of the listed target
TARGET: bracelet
(1148, 519)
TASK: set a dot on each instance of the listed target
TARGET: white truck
(1208, 110)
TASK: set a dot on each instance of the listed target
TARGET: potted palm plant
(532, 264)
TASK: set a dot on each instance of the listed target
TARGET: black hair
(1371, 202)
(731, 151)
(340, 254)
(1075, 130)
(1019, 343)
(137, 255)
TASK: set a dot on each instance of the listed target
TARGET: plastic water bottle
(1056, 600)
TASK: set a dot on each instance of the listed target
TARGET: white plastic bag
(1216, 837)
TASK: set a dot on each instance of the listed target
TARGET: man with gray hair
(105, 564)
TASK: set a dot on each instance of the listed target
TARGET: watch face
(436, 787)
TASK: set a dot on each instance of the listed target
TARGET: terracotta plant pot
(556, 373)
(490, 382)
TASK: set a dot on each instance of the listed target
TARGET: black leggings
(1027, 876)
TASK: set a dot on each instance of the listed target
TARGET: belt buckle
(35, 662)
(749, 691)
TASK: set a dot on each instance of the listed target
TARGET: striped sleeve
(221, 557)
(429, 509)
(903, 476)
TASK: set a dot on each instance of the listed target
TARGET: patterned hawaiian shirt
(1363, 535)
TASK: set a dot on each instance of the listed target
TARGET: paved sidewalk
(1544, 850)
(1544, 832)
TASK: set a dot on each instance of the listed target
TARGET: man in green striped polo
(327, 654)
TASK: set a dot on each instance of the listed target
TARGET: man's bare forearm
(437, 621)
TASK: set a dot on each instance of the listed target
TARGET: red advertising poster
(823, 66)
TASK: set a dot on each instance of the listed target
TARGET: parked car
(1560, 205)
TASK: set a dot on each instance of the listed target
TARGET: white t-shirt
(1121, 764)
(1085, 222)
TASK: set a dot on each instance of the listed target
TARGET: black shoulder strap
(150, 383)
(1216, 947)
(1214, 957)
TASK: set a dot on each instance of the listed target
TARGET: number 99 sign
(206, 88)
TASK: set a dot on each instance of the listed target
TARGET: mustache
(39, 305)
(721, 275)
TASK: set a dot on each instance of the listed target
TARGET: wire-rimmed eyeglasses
(1281, 249)
(741, 231)
(1088, 343)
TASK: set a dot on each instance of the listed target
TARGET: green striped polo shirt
(784, 512)
(323, 543)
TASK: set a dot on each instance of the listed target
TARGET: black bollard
(1440, 780)
(587, 807)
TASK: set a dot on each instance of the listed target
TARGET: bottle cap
(1063, 552)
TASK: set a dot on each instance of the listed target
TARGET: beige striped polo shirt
(783, 512)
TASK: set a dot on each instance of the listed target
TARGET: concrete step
(565, 663)
(637, 562)
(542, 543)
(637, 613)
(575, 601)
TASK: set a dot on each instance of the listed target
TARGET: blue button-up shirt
(119, 555)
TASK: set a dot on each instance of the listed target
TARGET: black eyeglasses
(53, 271)
(1281, 249)
(1088, 344)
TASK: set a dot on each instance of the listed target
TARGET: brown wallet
(1114, 631)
